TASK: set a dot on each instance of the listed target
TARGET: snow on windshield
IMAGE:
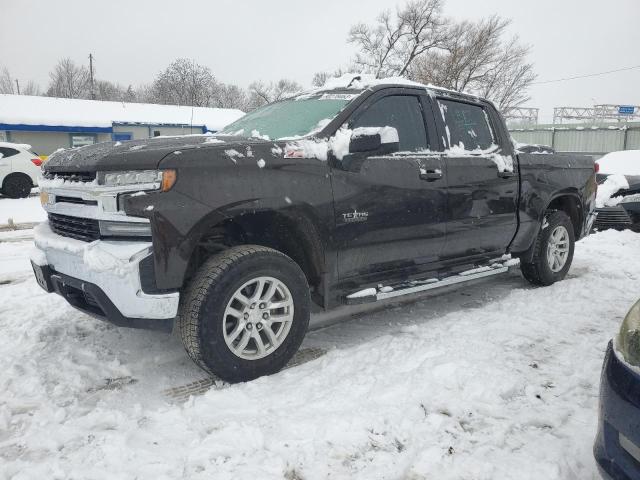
(289, 119)
(621, 163)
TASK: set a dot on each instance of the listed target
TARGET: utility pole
(93, 92)
(18, 86)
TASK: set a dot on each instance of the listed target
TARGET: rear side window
(7, 152)
(402, 112)
(468, 125)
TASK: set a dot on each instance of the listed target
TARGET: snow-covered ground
(494, 381)
(21, 210)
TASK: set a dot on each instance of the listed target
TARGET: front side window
(404, 113)
(467, 125)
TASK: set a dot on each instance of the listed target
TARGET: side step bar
(371, 295)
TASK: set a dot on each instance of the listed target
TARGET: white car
(19, 169)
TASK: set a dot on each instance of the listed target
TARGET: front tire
(17, 186)
(245, 313)
(553, 251)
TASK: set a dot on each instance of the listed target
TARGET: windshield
(290, 118)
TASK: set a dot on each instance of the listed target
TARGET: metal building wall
(580, 138)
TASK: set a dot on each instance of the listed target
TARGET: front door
(482, 181)
(391, 209)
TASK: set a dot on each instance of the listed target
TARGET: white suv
(19, 169)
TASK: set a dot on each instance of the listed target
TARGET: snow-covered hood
(129, 155)
(612, 188)
(632, 180)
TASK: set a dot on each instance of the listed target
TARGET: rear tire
(552, 251)
(17, 186)
(242, 340)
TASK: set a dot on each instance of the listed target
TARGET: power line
(587, 76)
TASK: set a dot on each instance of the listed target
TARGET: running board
(371, 295)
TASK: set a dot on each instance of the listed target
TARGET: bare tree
(184, 82)
(261, 93)
(476, 58)
(7, 84)
(109, 91)
(230, 96)
(68, 80)
(31, 88)
(391, 46)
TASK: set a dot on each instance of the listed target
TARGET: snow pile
(320, 148)
(361, 81)
(387, 134)
(98, 256)
(606, 190)
(622, 163)
(29, 110)
(59, 182)
(503, 162)
(496, 380)
(21, 210)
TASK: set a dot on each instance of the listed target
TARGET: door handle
(507, 174)
(430, 175)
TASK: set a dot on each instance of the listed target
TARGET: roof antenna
(357, 78)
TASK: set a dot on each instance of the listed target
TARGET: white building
(48, 123)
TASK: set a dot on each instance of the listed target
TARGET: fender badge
(355, 216)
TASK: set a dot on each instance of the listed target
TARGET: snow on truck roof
(66, 112)
(363, 81)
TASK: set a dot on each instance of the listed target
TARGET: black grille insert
(85, 229)
(76, 200)
(612, 217)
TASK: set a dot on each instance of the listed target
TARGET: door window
(7, 152)
(404, 113)
(467, 124)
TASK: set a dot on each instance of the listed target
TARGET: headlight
(629, 337)
(134, 177)
(125, 229)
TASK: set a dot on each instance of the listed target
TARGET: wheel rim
(258, 318)
(558, 249)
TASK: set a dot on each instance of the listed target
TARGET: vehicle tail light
(36, 161)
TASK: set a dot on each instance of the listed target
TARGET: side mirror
(380, 140)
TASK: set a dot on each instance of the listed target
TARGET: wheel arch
(293, 231)
(571, 204)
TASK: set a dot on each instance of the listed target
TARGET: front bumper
(102, 278)
(617, 445)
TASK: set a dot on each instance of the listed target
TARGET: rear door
(390, 209)
(482, 180)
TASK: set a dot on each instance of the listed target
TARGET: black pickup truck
(356, 193)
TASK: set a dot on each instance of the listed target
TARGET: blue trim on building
(54, 128)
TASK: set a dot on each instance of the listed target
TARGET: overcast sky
(246, 40)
